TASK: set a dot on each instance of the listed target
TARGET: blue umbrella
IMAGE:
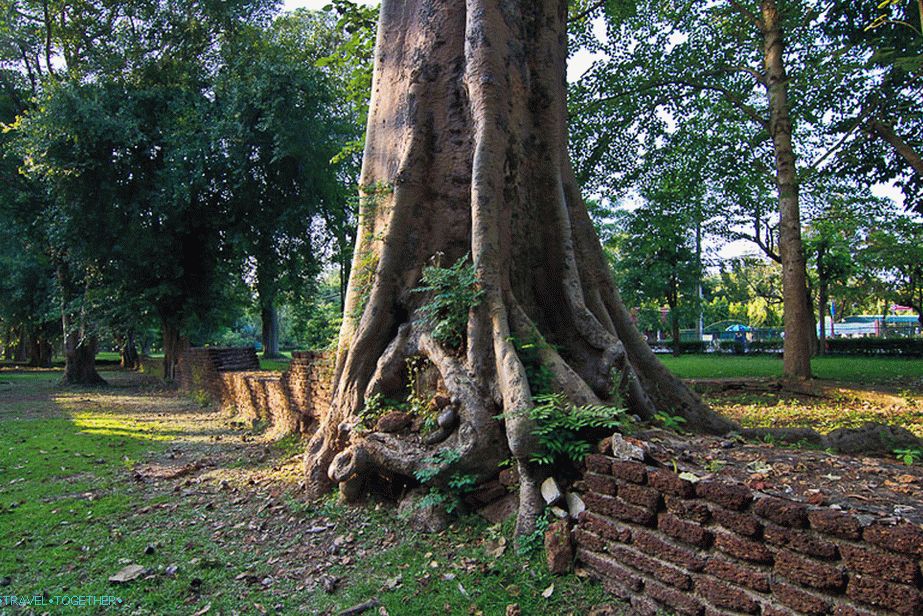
(738, 328)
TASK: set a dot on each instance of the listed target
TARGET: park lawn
(856, 370)
(79, 501)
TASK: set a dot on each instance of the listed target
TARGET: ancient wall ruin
(668, 545)
(231, 377)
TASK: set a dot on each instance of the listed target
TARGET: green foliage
(454, 291)
(533, 542)
(560, 426)
(909, 456)
(436, 464)
(669, 421)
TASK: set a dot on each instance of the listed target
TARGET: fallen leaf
(127, 574)
(548, 591)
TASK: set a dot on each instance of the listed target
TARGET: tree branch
(749, 15)
(886, 132)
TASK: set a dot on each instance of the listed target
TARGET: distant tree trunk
(80, 345)
(466, 154)
(8, 344)
(20, 354)
(128, 353)
(80, 359)
(40, 351)
(822, 301)
(270, 323)
(173, 345)
(797, 311)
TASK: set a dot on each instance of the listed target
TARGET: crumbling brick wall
(287, 401)
(665, 544)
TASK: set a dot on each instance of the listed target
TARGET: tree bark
(8, 344)
(173, 345)
(466, 156)
(269, 317)
(797, 313)
(128, 352)
(40, 351)
(886, 132)
(822, 301)
(80, 344)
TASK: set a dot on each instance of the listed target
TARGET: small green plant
(669, 421)
(200, 397)
(534, 541)
(537, 373)
(713, 466)
(436, 463)
(455, 291)
(559, 424)
(910, 455)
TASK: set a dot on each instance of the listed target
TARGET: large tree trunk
(21, 351)
(40, 351)
(270, 323)
(8, 344)
(466, 154)
(797, 313)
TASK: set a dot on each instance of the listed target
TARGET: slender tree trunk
(21, 352)
(797, 311)
(173, 345)
(8, 344)
(269, 317)
(466, 155)
(886, 132)
(40, 350)
(822, 301)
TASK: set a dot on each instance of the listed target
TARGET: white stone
(550, 491)
(575, 504)
(623, 450)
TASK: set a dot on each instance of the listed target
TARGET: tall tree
(759, 80)
(466, 154)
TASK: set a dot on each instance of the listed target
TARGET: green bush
(561, 426)
(904, 347)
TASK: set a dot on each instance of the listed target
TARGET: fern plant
(559, 426)
(455, 291)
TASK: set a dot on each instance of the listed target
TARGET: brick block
(669, 482)
(777, 610)
(663, 572)
(809, 572)
(601, 484)
(679, 602)
(781, 511)
(648, 542)
(745, 549)
(598, 463)
(898, 599)
(837, 523)
(849, 610)
(605, 527)
(740, 575)
(742, 523)
(684, 530)
(800, 541)
(729, 495)
(905, 538)
(649, 498)
(634, 472)
(620, 510)
(725, 596)
(589, 541)
(800, 600)
(694, 510)
(872, 562)
(607, 568)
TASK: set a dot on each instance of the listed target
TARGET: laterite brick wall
(716, 548)
(232, 378)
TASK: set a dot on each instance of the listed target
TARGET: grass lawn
(94, 480)
(857, 370)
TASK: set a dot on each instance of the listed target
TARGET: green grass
(850, 369)
(71, 515)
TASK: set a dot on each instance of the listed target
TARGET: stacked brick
(715, 548)
(287, 401)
